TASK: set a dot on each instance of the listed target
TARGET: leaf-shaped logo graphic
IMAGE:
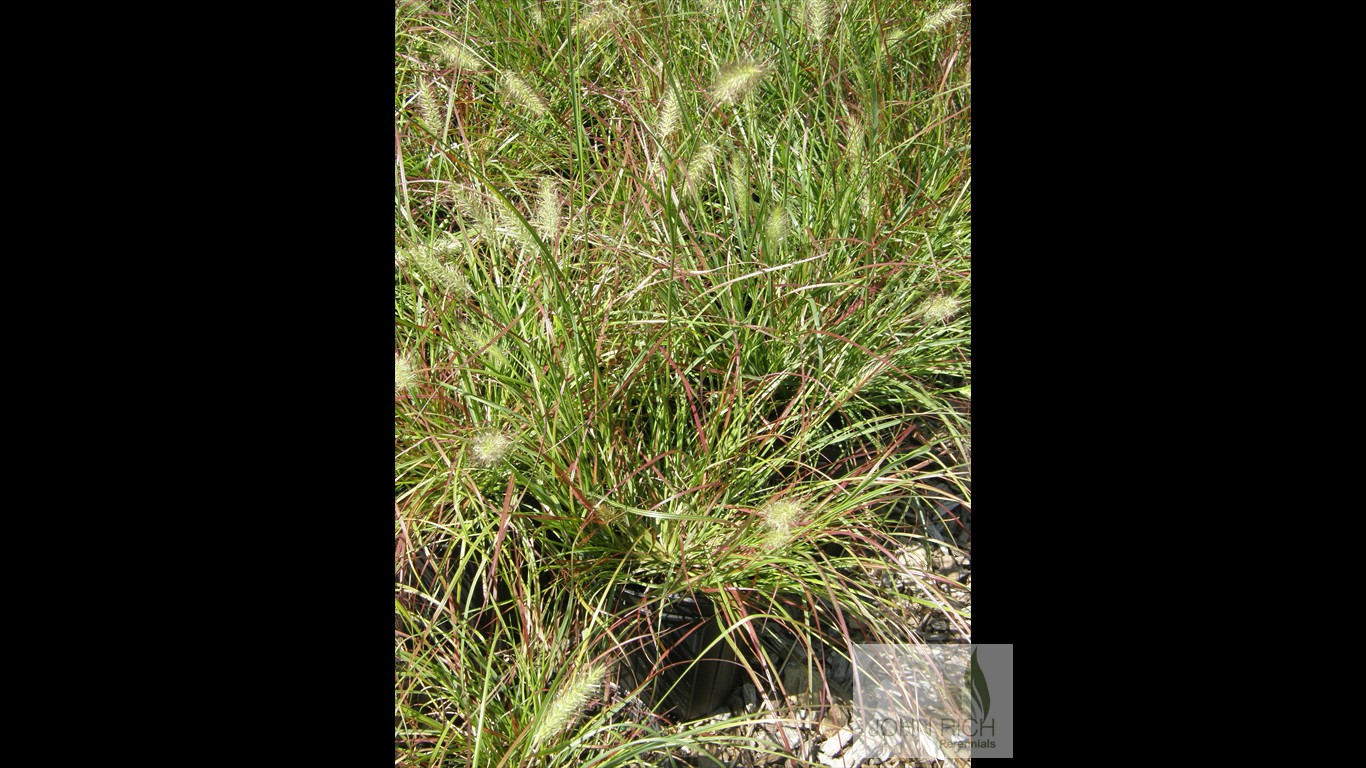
(981, 697)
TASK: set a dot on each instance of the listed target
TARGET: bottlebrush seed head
(569, 701)
(404, 376)
(520, 91)
(941, 17)
(940, 308)
(489, 446)
(736, 81)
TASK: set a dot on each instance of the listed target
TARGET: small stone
(750, 697)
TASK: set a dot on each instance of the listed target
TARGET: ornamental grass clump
(642, 436)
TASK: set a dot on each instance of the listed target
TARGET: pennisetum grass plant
(614, 402)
